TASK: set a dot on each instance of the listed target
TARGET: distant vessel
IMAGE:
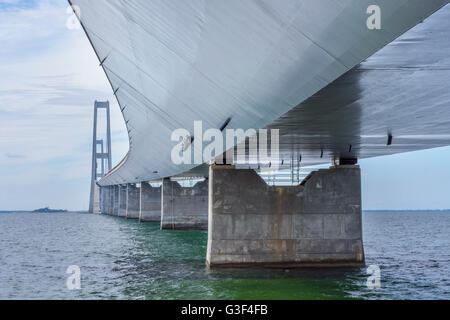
(48, 210)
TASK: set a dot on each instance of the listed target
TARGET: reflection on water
(123, 259)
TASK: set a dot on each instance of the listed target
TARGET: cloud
(14, 156)
(50, 79)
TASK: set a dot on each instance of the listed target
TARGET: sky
(49, 80)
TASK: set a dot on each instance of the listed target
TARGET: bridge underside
(336, 91)
(312, 69)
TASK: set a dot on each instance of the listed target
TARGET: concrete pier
(133, 201)
(150, 203)
(102, 201)
(110, 204)
(315, 224)
(184, 208)
(122, 211)
(116, 196)
(109, 200)
(105, 200)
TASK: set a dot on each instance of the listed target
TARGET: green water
(124, 259)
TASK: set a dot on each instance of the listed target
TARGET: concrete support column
(184, 208)
(110, 203)
(133, 199)
(315, 224)
(150, 203)
(108, 200)
(116, 196)
(104, 200)
(122, 211)
(102, 196)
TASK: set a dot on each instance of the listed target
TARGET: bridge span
(338, 81)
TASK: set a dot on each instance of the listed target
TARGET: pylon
(102, 155)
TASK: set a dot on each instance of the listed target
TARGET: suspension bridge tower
(101, 155)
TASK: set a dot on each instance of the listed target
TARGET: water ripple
(123, 259)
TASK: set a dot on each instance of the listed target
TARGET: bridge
(331, 81)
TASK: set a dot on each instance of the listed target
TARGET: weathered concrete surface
(133, 201)
(150, 203)
(184, 208)
(104, 198)
(116, 200)
(107, 200)
(315, 224)
(122, 212)
(102, 201)
(110, 201)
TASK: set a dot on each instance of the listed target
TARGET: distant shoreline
(31, 211)
(367, 211)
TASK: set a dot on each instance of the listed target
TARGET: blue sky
(49, 80)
